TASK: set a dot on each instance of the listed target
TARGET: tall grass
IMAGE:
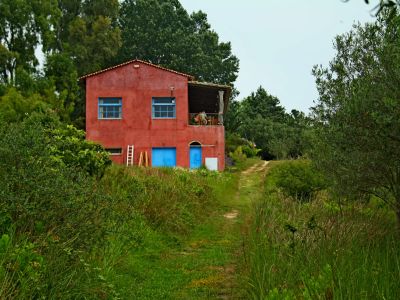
(65, 232)
(318, 250)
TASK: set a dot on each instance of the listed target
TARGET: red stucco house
(139, 110)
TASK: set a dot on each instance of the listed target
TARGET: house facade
(149, 115)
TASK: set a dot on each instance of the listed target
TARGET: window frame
(172, 104)
(110, 151)
(100, 115)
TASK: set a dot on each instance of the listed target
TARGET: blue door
(163, 157)
(195, 157)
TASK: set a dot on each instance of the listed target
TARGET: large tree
(262, 119)
(162, 32)
(87, 38)
(24, 25)
(358, 112)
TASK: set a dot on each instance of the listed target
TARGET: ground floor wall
(210, 138)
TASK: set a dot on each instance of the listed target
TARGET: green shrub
(55, 213)
(298, 179)
(233, 141)
(238, 156)
(250, 150)
(314, 250)
(68, 145)
(63, 232)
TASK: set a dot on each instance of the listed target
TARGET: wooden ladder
(143, 159)
(129, 155)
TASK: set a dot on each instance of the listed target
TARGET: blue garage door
(163, 157)
(195, 157)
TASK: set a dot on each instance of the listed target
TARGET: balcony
(204, 119)
(208, 103)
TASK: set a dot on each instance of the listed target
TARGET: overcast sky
(279, 41)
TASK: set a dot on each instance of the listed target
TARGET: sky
(279, 41)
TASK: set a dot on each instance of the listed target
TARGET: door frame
(194, 145)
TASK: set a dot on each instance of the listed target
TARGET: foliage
(163, 33)
(233, 141)
(23, 24)
(15, 107)
(261, 119)
(68, 146)
(357, 115)
(238, 156)
(61, 71)
(263, 104)
(82, 36)
(250, 150)
(232, 117)
(313, 250)
(63, 232)
(169, 199)
(53, 214)
(383, 5)
(298, 179)
(184, 241)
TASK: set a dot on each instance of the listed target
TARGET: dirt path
(250, 187)
(207, 264)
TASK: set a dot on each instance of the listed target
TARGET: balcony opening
(207, 103)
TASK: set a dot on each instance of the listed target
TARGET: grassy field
(142, 233)
(197, 260)
(320, 250)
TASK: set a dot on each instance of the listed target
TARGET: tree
(87, 38)
(264, 121)
(23, 26)
(162, 32)
(263, 104)
(88, 33)
(357, 116)
(232, 119)
(383, 4)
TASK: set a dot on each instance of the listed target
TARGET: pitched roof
(135, 61)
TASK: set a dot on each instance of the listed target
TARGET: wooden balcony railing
(203, 119)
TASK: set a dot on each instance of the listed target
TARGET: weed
(314, 250)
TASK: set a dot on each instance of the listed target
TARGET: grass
(135, 233)
(318, 250)
(187, 249)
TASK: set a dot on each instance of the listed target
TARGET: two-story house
(146, 114)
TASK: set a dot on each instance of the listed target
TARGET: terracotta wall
(136, 87)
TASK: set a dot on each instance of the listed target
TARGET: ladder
(143, 159)
(129, 155)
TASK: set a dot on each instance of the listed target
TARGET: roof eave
(190, 77)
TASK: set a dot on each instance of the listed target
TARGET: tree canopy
(162, 32)
(357, 114)
(82, 36)
(262, 119)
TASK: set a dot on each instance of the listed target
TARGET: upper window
(110, 108)
(164, 108)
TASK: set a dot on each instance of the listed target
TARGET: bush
(238, 156)
(298, 179)
(250, 150)
(68, 145)
(63, 233)
(234, 141)
(52, 216)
